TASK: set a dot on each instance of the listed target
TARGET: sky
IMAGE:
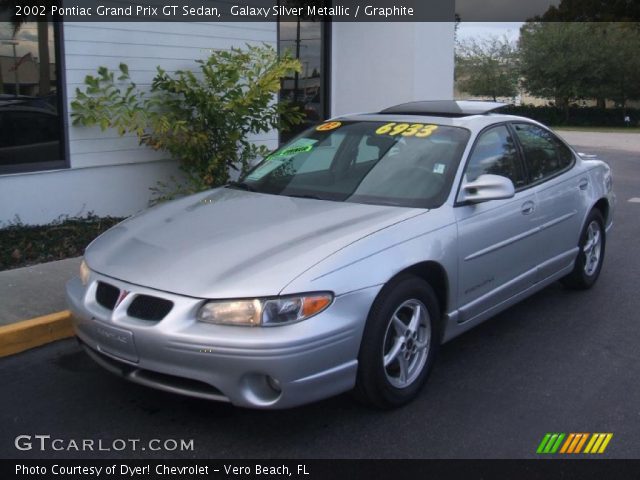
(478, 30)
(27, 38)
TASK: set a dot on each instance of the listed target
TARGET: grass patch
(23, 245)
(599, 129)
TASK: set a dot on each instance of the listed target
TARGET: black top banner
(320, 10)
(232, 10)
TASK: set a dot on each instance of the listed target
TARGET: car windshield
(386, 163)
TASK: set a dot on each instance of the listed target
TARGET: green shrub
(202, 119)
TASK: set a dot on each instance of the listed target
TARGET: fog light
(260, 390)
(274, 384)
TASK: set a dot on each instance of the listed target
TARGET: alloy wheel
(406, 343)
(592, 248)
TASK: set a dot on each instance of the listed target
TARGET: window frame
(325, 76)
(521, 161)
(63, 162)
(524, 157)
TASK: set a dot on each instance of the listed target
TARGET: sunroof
(446, 108)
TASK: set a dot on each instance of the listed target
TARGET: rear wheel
(399, 344)
(591, 254)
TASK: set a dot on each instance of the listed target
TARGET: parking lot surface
(561, 361)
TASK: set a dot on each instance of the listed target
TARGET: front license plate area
(115, 341)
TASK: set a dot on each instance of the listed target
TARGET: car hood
(228, 243)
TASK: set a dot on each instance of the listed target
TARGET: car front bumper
(274, 367)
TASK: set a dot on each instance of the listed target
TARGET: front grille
(146, 307)
(107, 295)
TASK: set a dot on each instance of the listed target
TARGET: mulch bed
(23, 245)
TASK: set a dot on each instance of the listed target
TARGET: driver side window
(495, 153)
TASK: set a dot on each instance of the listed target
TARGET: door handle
(528, 207)
(583, 184)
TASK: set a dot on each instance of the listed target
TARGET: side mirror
(486, 187)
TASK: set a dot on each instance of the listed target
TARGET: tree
(203, 120)
(562, 61)
(593, 11)
(621, 43)
(488, 67)
(573, 60)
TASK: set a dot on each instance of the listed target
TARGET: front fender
(373, 260)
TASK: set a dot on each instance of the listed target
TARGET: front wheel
(399, 344)
(590, 255)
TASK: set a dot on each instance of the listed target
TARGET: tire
(409, 355)
(590, 255)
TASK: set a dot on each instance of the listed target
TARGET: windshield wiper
(241, 186)
(314, 197)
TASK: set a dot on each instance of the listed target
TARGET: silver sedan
(344, 259)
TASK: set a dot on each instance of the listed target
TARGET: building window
(307, 41)
(31, 120)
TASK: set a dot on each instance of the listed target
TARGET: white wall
(376, 65)
(111, 175)
(38, 198)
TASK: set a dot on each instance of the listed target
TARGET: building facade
(50, 169)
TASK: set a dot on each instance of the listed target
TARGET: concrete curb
(21, 336)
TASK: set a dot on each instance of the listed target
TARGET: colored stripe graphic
(556, 446)
(543, 443)
(581, 442)
(550, 443)
(565, 447)
(573, 443)
(598, 443)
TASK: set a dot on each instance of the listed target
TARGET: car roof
(445, 108)
(472, 122)
(470, 114)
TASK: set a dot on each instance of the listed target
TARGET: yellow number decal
(412, 130)
(418, 130)
(426, 131)
(385, 128)
(328, 126)
(401, 127)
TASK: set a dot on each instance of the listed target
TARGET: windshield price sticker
(328, 126)
(293, 151)
(419, 130)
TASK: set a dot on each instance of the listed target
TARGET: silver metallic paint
(234, 244)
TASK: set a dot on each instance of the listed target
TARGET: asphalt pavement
(561, 361)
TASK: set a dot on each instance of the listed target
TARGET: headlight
(84, 273)
(264, 312)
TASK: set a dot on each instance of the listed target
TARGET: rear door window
(544, 153)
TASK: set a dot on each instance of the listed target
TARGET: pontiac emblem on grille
(123, 294)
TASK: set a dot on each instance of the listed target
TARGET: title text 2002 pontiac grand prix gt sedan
(345, 258)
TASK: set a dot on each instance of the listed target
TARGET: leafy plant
(203, 119)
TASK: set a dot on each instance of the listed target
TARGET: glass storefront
(31, 132)
(306, 40)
